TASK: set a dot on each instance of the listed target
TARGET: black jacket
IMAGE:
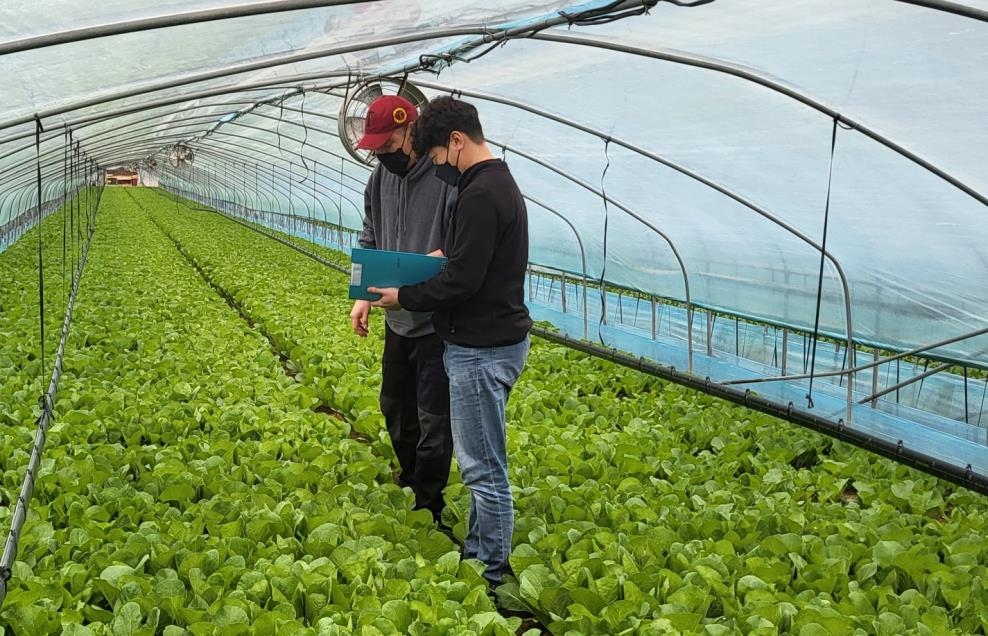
(479, 299)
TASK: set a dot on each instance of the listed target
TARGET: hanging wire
(47, 400)
(78, 199)
(606, 14)
(339, 208)
(277, 129)
(38, 129)
(984, 394)
(823, 254)
(305, 139)
(65, 199)
(603, 268)
(71, 178)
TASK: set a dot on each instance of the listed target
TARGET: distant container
(121, 176)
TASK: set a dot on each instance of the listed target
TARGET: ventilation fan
(354, 110)
(180, 156)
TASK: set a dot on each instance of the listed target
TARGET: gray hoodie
(406, 214)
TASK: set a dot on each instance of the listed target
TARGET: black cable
(38, 129)
(277, 128)
(71, 178)
(305, 138)
(605, 14)
(78, 199)
(65, 199)
(823, 255)
(603, 268)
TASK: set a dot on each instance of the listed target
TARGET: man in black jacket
(478, 305)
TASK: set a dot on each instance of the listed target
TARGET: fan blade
(354, 127)
(369, 93)
(412, 93)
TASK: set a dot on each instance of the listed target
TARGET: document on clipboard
(381, 268)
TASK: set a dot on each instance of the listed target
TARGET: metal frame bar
(895, 387)
(749, 75)
(274, 237)
(331, 176)
(898, 452)
(583, 261)
(603, 196)
(951, 7)
(283, 189)
(165, 21)
(116, 132)
(485, 36)
(686, 172)
(875, 363)
(41, 425)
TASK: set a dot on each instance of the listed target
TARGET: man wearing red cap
(404, 210)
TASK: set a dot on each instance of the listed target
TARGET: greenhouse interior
(755, 400)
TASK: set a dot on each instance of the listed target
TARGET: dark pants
(415, 404)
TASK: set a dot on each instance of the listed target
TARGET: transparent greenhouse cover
(731, 139)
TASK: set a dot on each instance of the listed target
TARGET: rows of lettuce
(22, 379)
(644, 506)
(188, 487)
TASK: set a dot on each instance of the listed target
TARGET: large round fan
(180, 156)
(355, 107)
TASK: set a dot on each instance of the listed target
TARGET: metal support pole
(564, 291)
(785, 350)
(655, 324)
(874, 378)
(919, 378)
(966, 412)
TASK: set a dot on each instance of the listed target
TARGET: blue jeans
(480, 380)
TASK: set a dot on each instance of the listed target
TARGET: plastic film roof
(729, 139)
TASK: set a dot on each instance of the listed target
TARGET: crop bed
(219, 466)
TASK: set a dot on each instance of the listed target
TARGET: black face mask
(395, 162)
(448, 173)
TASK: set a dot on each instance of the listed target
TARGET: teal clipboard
(381, 268)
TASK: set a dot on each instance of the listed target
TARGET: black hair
(439, 118)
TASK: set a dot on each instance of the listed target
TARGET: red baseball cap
(385, 115)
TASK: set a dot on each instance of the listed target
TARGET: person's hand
(359, 316)
(436, 253)
(389, 297)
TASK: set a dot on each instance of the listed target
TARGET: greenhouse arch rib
(710, 183)
(951, 7)
(281, 82)
(548, 208)
(897, 452)
(165, 21)
(486, 35)
(750, 75)
(236, 69)
(283, 178)
(544, 164)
